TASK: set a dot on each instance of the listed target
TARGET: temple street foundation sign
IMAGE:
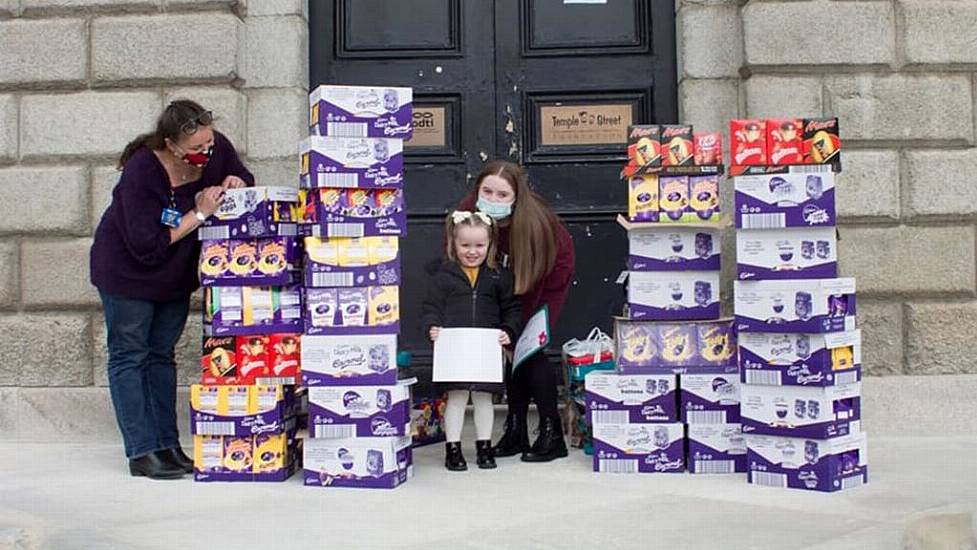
(584, 124)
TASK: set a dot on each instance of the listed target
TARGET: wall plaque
(601, 124)
(429, 130)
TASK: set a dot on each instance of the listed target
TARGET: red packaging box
(644, 147)
(821, 142)
(219, 360)
(253, 356)
(285, 351)
(748, 142)
(677, 148)
(708, 148)
(784, 144)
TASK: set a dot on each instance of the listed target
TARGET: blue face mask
(497, 210)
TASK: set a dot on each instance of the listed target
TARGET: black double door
(550, 84)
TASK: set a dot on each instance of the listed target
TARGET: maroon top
(552, 289)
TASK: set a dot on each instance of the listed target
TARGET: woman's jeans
(142, 336)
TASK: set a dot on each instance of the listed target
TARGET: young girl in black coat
(471, 290)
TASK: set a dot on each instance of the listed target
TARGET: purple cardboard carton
(230, 310)
(645, 347)
(351, 162)
(709, 398)
(263, 457)
(339, 262)
(357, 310)
(365, 360)
(809, 305)
(798, 411)
(673, 248)
(807, 253)
(716, 449)
(810, 464)
(265, 261)
(242, 410)
(785, 200)
(361, 111)
(636, 398)
(801, 359)
(251, 212)
(366, 462)
(673, 295)
(359, 411)
(353, 212)
(645, 448)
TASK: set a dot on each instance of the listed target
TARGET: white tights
(454, 414)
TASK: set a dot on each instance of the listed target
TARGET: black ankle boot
(485, 459)
(549, 445)
(515, 437)
(178, 457)
(453, 459)
(155, 465)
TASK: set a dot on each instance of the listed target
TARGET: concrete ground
(922, 494)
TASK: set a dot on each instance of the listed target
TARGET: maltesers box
(357, 310)
(716, 449)
(673, 295)
(367, 462)
(251, 212)
(709, 398)
(265, 261)
(262, 457)
(241, 410)
(811, 464)
(352, 212)
(343, 262)
(704, 347)
(359, 411)
(639, 448)
(792, 253)
(801, 411)
(785, 200)
(673, 248)
(630, 398)
(351, 162)
(806, 305)
(230, 310)
(801, 359)
(361, 111)
(363, 360)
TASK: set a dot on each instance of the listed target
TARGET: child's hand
(504, 338)
(434, 333)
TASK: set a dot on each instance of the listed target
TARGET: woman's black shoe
(515, 437)
(453, 459)
(549, 445)
(155, 465)
(485, 458)
(178, 457)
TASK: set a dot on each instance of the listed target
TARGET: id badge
(171, 217)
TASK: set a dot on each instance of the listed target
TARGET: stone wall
(900, 74)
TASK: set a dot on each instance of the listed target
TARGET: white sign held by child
(467, 355)
(535, 336)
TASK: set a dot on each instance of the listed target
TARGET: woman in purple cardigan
(144, 264)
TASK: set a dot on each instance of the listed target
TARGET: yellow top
(471, 273)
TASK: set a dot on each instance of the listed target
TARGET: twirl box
(342, 262)
(251, 212)
(359, 411)
(808, 305)
(673, 295)
(266, 261)
(794, 253)
(709, 398)
(817, 465)
(368, 462)
(796, 411)
(263, 457)
(801, 359)
(351, 162)
(361, 111)
(704, 347)
(349, 360)
(230, 310)
(716, 449)
(241, 410)
(630, 398)
(358, 310)
(352, 212)
(633, 448)
(673, 248)
(785, 200)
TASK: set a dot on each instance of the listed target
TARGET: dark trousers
(535, 379)
(142, 337)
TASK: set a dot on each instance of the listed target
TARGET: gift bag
(581, 357)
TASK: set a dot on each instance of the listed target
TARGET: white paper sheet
(468, 355)
(535, 336)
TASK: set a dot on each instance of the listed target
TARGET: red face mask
(199, 159)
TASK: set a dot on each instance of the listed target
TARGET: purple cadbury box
(359, 411)
(810, 464)
(244, 311)
(644, 448)
(351, 162)
(785, 200)
(709, 398)
(716, 449)
(353, 213)
(635, 398)
(264, 261)
(367, 462)
(799, 411)
(704, 347)
(361, 111)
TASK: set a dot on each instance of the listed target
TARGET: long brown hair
(168, 126)
(472, 220)
(532, 234)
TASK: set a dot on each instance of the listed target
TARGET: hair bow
(459, 216)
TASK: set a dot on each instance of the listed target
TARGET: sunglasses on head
(191, 126)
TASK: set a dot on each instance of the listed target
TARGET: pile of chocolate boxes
(352, 214)
(799, 350)
(675, 358)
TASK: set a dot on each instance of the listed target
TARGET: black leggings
(535, 379)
